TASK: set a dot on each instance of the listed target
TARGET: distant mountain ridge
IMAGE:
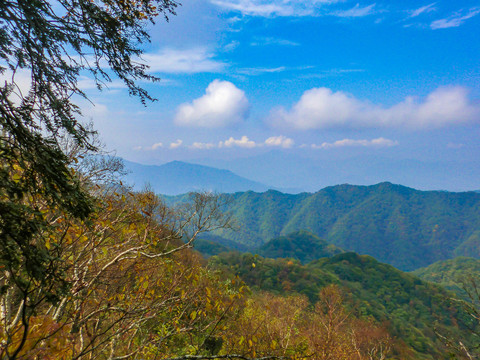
(177, 177)
(404, 227)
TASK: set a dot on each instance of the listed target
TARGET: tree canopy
(44, 47)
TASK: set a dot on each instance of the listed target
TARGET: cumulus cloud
(176, 144)
(148, 148)
(203, 146)
(189, 61)
(223, 104)
(281, 141)
(380, 142)
(243, 142)
(156, 146)
(321, 108)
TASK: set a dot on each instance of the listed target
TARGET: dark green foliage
(398, 225)
(412, 308)
(275, 275)
(209, 248)
(300, 245)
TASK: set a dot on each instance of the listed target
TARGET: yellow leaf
(193, 315)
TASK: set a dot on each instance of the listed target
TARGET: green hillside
(451, 273)
(395, 224)
(301, 245)
(410, 307)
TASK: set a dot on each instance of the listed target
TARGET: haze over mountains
(292, 172)
(178, 177)
(312, 173)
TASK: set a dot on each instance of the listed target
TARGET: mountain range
(401, 226)
(177, 177)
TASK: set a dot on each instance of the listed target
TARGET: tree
(48, 45)
(469, 311)
(132, 292)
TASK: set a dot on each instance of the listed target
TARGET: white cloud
(424, 9)
(156, 146)
(380, 142)
(176, 144)
(243, 142)
(223, 104)
(232, 45)
(356, 11)
(260, 71)
(263, 41)
(321, 108)
(189, 61)
(281, 141)
(149, 148)
(455, 20)
(271, 8)
(202, 146)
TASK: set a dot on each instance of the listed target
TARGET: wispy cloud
(265, 41)
(451, 145)
(273, 8)
(260, 71)
(189, 61)
(321, 108)
(356, 11)
(379, 142)
(223, 104)
(424, 9)
(332, 72)
(232, 45)
(456, 19)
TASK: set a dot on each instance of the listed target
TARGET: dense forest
(401, 226)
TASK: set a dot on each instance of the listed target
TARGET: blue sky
(329, 78)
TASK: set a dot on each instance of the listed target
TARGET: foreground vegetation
(412, 311)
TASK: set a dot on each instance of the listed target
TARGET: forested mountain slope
(395, 224)
(452, 274)
(411, 308)
(300, 245)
